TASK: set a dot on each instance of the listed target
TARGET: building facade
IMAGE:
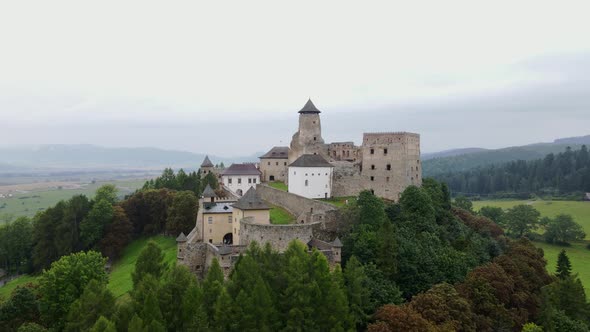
(239, 178)
(311, 176)
(273, 164)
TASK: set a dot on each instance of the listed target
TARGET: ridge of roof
(310, 160)
(251, 201)
(309, 108)
(207, 162)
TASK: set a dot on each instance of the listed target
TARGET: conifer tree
(564, 267)
(222, 318)
(103, 325)
(150, 261)
(171, 294)
(150, 311)
(194, 316)
(357, 291)
(212, 288)
(96, 301)
(135, 324)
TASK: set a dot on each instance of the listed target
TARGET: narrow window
(239, 180)
(229, 219)
(387, 179)
(277, 164)
(229, 180)
(314, 138)
(210, 219)
(249, 180)
(372, 178)
(306, 183)
(285, 163)
(269, 163)
(254, 180)
(372, 166)
(372, 151)
(384, 151)
(389, 167)
(210, 240)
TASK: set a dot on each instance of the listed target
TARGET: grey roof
(319, 244)
(310, 160)
(241, 169)
(207, 162)
(337, 243)
(277, 152)
(209, 192)
(181, 238)
(309, 108)
(219, 207)
(251, 201)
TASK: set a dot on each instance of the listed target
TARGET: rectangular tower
(390, 163)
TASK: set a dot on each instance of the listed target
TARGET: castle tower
(308, 139)
(207, 166)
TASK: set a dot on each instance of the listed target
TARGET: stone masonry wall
(295, 204)
(279, 236)
(347, 179)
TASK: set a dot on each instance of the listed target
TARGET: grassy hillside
(577, 252)
(120, 282)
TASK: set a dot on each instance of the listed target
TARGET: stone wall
(279, 236)
(347, 179)
(295, 204)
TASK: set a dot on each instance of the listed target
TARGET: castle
(236, 214)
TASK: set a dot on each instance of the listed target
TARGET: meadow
(578, 253)
(29, 202)
(120, 282)
(280, 216)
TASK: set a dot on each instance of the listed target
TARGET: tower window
(314, 138)
(372, 166)
(387, 179)
(384, 151)
(372, 178)
(285, 163)
(388, 167)
(372, 151)
(269, 163)
(277, 163)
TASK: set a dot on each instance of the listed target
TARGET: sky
(227, 78)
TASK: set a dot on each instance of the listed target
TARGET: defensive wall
(279, 236)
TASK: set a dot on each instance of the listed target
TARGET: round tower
(308, 139)
(207, 166)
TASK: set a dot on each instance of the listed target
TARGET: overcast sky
(228, 78)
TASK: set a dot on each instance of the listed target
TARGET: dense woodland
(418, 265)
(564, 173)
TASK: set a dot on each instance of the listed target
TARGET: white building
(240, 177)
(311, 176)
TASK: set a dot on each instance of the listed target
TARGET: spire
(208, 192)
(181, 238)
(309, 108)
(207, 162)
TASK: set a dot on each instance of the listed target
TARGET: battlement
(391, 133)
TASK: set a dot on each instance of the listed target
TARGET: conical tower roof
(309, 108)
(337, 243)
(251, 201)
(209, 192)
(207, 162)
(181, 237)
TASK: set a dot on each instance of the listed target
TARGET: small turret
(207, 166)
(181, 244)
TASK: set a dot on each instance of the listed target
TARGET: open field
(577, 252)
(120, 282)
(28, 199)
(280, 216)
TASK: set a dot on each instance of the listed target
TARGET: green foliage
(564, 267)
(212, 288)
(182, 213)
(463, 203)
(444, 307)
(210, 179)
(148, 210)
(65, 281)
(117, 234)
(177, 281)
(15, 245)
(493, 213)
(521, 219)
(92, 227)
(562, 229)
(531, 327)
(31, 327)
(150, 261)
(358, 292)
(103, 325)
(107, 192)
(95, 302)
(21, 307)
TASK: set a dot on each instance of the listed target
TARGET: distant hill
(97, 157)
(459, 160)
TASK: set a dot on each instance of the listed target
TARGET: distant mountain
(455, 161)
(97, 157)
(450, 153)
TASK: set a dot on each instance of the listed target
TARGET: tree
(21, 307)
(194, 316)
(463, 203)
(182, 213)
(212, 288)
(150, 312)
(564, 267)
(210, 179)
(92, 227)
(150, 261)
(95, 302)
(171, 294)
(135, 324)
(357, 290)
(521, 219)
(31, 327)
(562, 229)
(117, 234)
(399, 318)
(493, 213)
(531, 327)
(103, 325)
(65, 281)
(107, 192)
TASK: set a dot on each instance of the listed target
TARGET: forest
(417, 265)
(565, 173)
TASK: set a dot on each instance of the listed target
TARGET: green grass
(30, 202)
(339, 201)
(7, 289)
(120, 282)
(279, 185)
(577, 252)
(280, 216)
